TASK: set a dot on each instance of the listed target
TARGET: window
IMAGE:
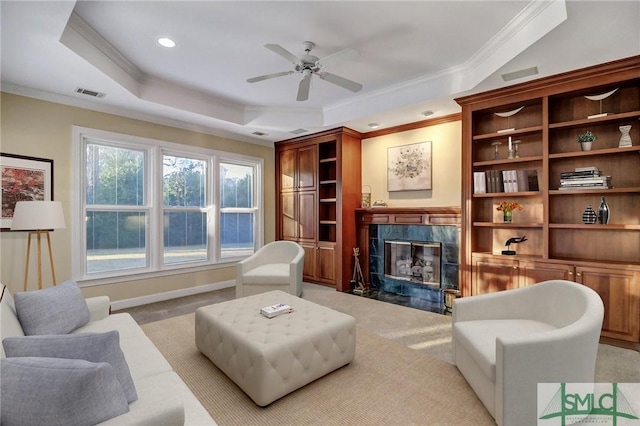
(237, 210)
(116, 214)
(148, 206)
(185, 209)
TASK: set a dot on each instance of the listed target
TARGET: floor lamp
(38, 217)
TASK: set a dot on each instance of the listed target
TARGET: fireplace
(415, 261)
(421, 235)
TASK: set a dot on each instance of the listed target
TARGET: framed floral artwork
(409, 167)
(23, 179)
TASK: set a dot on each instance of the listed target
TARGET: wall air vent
(90, 92)
(260, 133)
(299, 131)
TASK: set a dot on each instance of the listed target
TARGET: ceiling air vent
(520, 74)
(259, 133)
(299, 131)
(90, 92)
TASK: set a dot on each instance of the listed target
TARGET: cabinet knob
(579, 274)
(515, 267)
(570, 273)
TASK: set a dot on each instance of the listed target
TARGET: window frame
(154, 151)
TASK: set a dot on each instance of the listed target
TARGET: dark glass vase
(603, 212)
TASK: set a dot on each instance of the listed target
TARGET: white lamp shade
(37, 215)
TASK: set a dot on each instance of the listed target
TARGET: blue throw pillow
(58, 392)
(93, 347)
(55, 310)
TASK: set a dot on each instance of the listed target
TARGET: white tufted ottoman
(269, 358)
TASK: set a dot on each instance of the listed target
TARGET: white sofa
(507, 342)
(277, 265)
(163, 398)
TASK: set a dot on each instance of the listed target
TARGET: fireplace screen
(414, 261)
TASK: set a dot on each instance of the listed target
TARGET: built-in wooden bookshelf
(317, 208)
(605, 257)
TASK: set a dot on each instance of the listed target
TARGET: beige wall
(446, 147)
(43, 129)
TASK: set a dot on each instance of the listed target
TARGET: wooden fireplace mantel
(409, 216)
(399, 216)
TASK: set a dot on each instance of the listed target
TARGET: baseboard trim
(159, 297)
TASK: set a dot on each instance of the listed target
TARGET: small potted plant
(586, 139)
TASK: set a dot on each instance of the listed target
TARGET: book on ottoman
(275, 310)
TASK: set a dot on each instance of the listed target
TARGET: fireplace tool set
(357, 281)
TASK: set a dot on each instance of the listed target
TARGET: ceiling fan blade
(337, 57)
(303, 88)
(340, 81)
(268, 76)
(276, 48)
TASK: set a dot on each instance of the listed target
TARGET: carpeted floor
(387, 383)
(423, 331)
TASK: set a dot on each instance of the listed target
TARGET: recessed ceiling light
(427, 113)
(373, 125)
(166, 42)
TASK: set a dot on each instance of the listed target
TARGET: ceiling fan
(308, 65)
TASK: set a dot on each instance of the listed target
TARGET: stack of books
(585, 178)
(275, 310)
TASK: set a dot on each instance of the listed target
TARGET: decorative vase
(625, 139)
(507, 216)
(585, 146)
(589, 216)
(603, 212)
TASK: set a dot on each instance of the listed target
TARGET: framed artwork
(409, 167)
(23, 179)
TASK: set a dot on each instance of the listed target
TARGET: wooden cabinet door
(306, 216)
(619, 290)
(326, 258)
(288, 165)
(491, 274)
(309, 270)
(532, 272)
(307, 168)
(288, 216)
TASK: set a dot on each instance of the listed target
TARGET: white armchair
(507, 342)
(275, 266)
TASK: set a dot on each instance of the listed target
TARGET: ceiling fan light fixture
(166, 42)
